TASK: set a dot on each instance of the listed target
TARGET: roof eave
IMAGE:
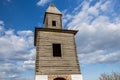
(52, 30)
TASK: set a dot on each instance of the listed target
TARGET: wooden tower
(56, 57)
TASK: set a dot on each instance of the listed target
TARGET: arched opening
(59, 78)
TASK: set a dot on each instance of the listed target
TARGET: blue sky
(97, 41)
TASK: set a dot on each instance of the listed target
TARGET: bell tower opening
(59, 78)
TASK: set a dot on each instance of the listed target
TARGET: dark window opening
(59, 79)
(56, 50)
(53, 23)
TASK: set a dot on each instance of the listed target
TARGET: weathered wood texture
(50, 17)
(46, 63)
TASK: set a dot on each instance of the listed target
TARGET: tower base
(53, 77)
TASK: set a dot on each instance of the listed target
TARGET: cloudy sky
(98, 39)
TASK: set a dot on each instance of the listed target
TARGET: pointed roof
(53, 9)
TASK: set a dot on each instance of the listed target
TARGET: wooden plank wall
(50, 17)
(46, 63)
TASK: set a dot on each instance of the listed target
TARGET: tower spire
(53, 9)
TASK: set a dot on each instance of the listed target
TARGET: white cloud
(10, 71)
(25, 33)
(1, 22)
(1, 25)
(29, 64)
(98, 36)
(93, 11)
(105, 5)
(43, 2)
(99, 56)
(1, 28)
(12, 43)
(16, 50)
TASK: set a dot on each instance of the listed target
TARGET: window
(53, 23)
(56, 50)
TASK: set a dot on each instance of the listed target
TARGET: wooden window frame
(57, 50)
(53, 23)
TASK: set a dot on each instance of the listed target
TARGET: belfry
(56, 56)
